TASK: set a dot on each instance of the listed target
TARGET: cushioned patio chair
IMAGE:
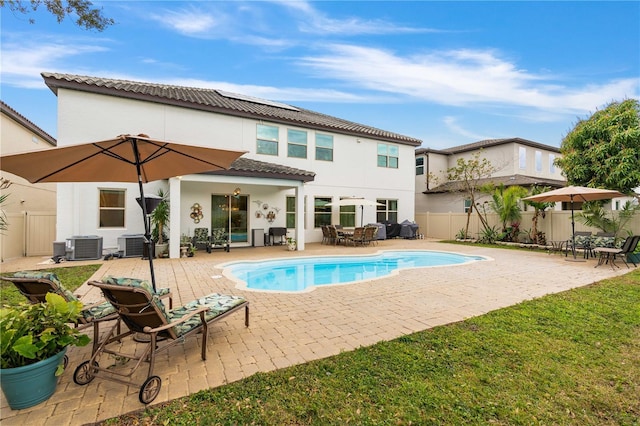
(201, 239)
(583, 242)
(144, 313)
(219, 239)
(34, 285)
(608, 254)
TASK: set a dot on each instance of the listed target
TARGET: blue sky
(448, 73)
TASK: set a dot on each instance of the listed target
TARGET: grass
(72, 277)
(565, 359)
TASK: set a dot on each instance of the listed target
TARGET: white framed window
(467, 205)
(388, 211)
(322, 212)
(324, 147)
(388, 155)
(522, 157)
(538, 161)
(291, 212)
(296, 143)
(111, 208)
(419, 166)
(267, 142)
(552, 166)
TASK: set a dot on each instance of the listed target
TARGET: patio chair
(201, 239)
(144, 313)
(608, 254)
(583, 242)
(356, 238)
(370, 235)
(326, 235)
(219, 239)
(334, 237)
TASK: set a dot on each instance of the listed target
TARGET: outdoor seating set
(587, 243)
(609, 254)
(361, 235)
(140, 308)
(217, 239)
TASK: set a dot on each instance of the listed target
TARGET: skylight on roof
(256, 100)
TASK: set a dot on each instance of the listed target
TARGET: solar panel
(256, 100)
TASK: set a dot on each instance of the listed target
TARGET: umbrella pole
(573, 235)
(147, 226)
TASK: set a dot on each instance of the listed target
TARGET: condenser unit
(131, 245)
(87, 247)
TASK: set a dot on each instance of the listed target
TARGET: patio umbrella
(126, 158)
(355, 201)
(571, 194)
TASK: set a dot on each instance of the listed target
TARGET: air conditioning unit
(131, 245)
(87, 247)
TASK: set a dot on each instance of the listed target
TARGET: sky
(448, 73)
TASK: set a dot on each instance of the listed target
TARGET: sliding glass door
(230, 213)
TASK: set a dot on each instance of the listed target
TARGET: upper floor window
(324, 147)
(322, 212)
(419, 166)
(111, 209)
(522, 155)
(538, 161)
(267, 139)
(387, 212)
(388, 155)
(552, 166)
(467, 205)
(297, 143)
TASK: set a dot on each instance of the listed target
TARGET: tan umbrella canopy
(571, 194)
(126, 158)
(355, 201)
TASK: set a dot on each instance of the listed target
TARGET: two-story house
(515, 161)
(297, 161)
(29, 209)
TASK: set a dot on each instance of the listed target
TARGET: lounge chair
(34, 285)
(144, 313)
(608, 254)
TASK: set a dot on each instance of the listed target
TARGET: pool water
(306, 273)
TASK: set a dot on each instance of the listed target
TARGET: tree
(595, 216)
(505, 202)
(467, 175)
(604, 150)
(86, 16)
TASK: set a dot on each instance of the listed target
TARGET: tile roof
(512, 180)
(221, 102)
(26, 123)
(253, 168)
(495, 142)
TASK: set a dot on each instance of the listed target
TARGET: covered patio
(288, 329)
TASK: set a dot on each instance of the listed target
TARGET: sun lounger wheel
(85, 373)
(150, 389)
(65, 362)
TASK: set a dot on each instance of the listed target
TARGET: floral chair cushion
(142, 284)
(89, 314)
(218, 304)
(201, 235)
(603, 242)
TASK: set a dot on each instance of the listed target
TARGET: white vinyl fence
(29, 234)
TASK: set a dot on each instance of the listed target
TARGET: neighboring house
(30, 209)
(516, 161)
(297, 161)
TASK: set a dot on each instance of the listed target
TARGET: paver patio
(288, 328)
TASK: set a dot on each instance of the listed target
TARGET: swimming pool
(306, 273)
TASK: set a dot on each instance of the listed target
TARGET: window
(419, 166)
(522, 154)
(324, 147)
(388, 212)
(348, 216)
(322, 212)
(467, 205)
(552, 166)
(112, 208)
(297, 143)
(267, 139)
(387, 156)
(538, 161)
(291, 212)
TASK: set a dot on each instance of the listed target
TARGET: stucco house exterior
(296, 161)
(516, 162)
(29, 208)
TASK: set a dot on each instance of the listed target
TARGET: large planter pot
(162, 249)
(31, 384)
(633, 258)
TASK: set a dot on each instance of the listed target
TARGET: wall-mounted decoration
(196, 212)
(267, 213)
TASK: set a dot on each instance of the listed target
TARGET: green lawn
(565, 359)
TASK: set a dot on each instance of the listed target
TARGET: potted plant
(291, 243)
(33, 342)
(160, 219)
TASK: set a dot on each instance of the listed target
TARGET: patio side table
(557, 246)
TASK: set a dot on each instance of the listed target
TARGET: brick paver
(288, 329)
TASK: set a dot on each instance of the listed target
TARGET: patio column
(175, 185)
(300, 216)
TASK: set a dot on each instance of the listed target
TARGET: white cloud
(188, 21)
(452, 124)
(462, 77)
